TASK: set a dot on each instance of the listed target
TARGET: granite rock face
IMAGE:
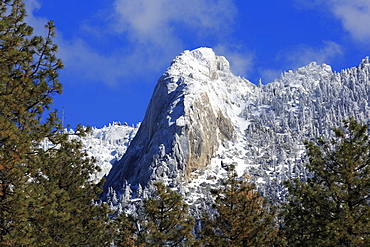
(202, 118)
(185, 122)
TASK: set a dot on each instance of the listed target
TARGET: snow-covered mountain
(107, 145)
(202, 118)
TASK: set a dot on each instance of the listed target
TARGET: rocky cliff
(187, 120)
(202, 118)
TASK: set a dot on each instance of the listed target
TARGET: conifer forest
(48, 196)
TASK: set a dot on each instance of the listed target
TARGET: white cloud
(38, 23)
(152, 30)
(268, 75)
(153, 20)
(155, 28)
(353, 14)
(303, 54)
(241, 62)
(80, 60)
(83, 63)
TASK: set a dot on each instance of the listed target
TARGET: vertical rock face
(186, 120)
(208, 130)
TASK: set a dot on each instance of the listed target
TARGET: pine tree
(166, 221)
(243, 217)
(62, 212)
(45, 194)
(125, 231)
(332, 208)
(28, 80)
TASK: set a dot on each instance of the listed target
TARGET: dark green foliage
(28, 79)
(243, 217)
(166, 221)
(45, 195)
(332, 207)
(125, 231)
(63, 214)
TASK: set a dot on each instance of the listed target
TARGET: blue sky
(114, 51)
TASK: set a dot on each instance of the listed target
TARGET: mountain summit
(201, 118)
(191, 114)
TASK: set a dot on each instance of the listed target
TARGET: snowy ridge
(202, 118)
(107, 145)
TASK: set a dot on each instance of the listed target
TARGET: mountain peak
(365, 62)
(191, 114)
(201, 118)
(202, 61)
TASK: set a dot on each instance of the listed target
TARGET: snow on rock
(187, 119)
(202, 118)
(107, 145)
